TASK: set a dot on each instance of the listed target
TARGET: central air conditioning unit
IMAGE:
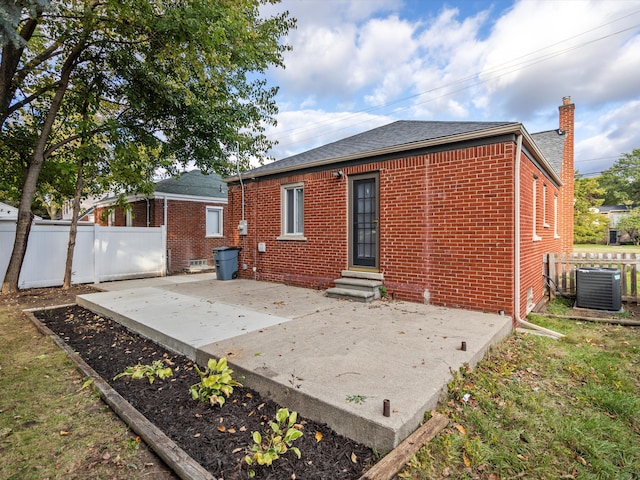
(598, 288)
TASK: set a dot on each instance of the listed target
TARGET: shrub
(215, 383)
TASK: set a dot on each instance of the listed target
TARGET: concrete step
(199, 268)
(358, 284)
(350, 294)
(363, 275)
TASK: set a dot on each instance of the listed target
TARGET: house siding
(313, 263)
(447, 228)
(532, 251)
(471, 228)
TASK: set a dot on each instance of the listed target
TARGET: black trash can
(226, 261)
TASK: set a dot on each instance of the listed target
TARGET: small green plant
(383, 291)
(215, 383)
(139, 371)
(133, 443)
(283, 432)
(356, 398)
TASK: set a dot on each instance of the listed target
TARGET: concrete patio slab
(331, 360)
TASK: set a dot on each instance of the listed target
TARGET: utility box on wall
(598, 288)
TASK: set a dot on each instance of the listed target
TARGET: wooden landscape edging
(186, 467)
(177, 459)
(627, 322)
(391, 464)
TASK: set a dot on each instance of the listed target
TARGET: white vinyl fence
(101, 253)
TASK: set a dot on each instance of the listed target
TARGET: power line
(505, 68)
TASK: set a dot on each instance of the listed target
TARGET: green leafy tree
(621, 182)
(122, 87)
(630, 224)
(589, 226)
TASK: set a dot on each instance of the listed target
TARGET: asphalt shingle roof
(402, 132)
(551, 144)
(194, 183)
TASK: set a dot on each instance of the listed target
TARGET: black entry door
(364, 229)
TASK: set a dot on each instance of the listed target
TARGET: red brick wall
(471, 228)
(446, 228)
(313, 263)
(532, 251)
(186, 224)
(186, 227)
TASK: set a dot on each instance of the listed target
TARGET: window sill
(556, 236)
(292, 238)
(546, 225)
(537, 238)
(214, 236)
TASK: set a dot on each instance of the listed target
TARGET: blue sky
(359, 64)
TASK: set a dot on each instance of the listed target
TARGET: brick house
(458, 214)
(192, 205)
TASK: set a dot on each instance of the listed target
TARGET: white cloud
(541, 50)
(435, 62)
(610, 134)
(303, 130)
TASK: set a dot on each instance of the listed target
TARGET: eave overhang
(512, 128)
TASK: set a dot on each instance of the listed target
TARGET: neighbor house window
(128, 216)
(293, 210)
(214, 222)
(111, 218)
(555, 216)
(536, 237)
(544, 206)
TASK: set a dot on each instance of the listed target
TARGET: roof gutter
(161, 195)
(512, 128)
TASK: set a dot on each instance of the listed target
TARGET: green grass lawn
(589, 248)
(541, 408)
(53, 427)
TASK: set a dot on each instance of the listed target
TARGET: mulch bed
(217, 438)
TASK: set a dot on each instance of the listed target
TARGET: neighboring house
(7, 212)
(449, 213)
(192, 206)
(86, 209)
(614, 213)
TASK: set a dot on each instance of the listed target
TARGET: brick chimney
(567, 175)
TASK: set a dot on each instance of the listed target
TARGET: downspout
(516, 253)
(164, 222)
(148, 219)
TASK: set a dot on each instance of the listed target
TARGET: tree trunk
(23, 227)
(73, 230)
(11, 55)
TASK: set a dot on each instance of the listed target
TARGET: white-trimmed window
(536, 237)
(214, 222)
(544, 206)
(128, 217)
(111, 218)
(555, 216)
(292, 197)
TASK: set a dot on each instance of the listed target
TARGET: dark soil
(217, 438)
